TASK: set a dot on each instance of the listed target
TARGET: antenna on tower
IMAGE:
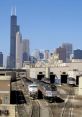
(13, 11)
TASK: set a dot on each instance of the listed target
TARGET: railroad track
(64, 109)
(41, 108)
(67, 110)
(21, 108)
(20, 105)
(35, 109)
(22, 111)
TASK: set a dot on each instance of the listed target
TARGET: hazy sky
(46, 23)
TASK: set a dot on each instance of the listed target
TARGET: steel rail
(20, 107)
(68, 106)
(35, 109)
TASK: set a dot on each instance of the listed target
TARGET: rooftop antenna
(13, 11)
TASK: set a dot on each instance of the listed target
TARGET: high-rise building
(69, 50)
(13, 29)
(18, 50)
(78, 54)
(36, 54)
(26, 50)
(62, 53)
(1, 59)
(8, 62)
(33, 59)
(41, 54)
(46, 54)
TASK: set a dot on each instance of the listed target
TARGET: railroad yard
(66, 104)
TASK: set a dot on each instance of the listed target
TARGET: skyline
(46, 24)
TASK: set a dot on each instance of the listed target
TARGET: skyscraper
(62, 53)
(46, 54)
(36, 54)
(18, 50)
(69, 49)
(78, 54)
(1, 59)
(25, 51)
(8, 62)
(41, 54)
(13, 29)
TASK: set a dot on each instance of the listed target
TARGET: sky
(46, 23)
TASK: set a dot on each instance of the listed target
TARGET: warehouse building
(5, 89)
(80, 85)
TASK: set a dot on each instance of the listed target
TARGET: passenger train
(43, 90)
(33, 90)
(71, 81)
(48, 91)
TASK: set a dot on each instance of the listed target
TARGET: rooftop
(5, 77)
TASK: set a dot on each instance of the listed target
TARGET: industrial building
(6, 109)
(5, 89)
(58, 70)
(80, 85)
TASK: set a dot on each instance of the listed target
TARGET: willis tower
(14, 28)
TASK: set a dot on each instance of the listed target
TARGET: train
(42, 91)
(33, 90)
(71, 81)
(47, 91)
